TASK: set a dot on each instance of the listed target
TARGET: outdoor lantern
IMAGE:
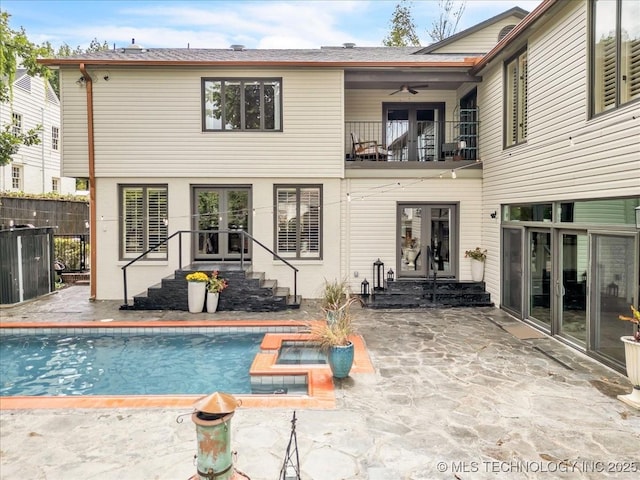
(378, 275)
(390, 275)
(638, 218)
(364, 288)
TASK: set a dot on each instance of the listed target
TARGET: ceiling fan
(409, 89)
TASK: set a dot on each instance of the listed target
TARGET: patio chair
(367, 149)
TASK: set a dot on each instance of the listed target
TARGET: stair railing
(190, 232)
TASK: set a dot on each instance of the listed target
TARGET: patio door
(571, 286)
(221, 208)
(413, 131)
(422, 226)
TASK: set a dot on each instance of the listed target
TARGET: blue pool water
(126, 364)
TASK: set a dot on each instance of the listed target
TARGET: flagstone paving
(454, 396)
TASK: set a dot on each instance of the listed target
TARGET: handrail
(179, 233)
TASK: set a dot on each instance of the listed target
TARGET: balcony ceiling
(392, 79)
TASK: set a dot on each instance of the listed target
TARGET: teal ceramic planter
(341, 360)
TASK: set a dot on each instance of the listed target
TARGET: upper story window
(55, 136)
(615, 54)
(143, 220)
(515, 105)
(16, 122)
(298, 221)
(16, 177)
(242, 104)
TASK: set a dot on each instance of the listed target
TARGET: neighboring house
(34, 169)
(519, 149)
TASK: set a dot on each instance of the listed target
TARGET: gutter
(92, 182)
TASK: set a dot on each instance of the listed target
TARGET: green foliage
(403, 30)
(46, 196)
(11, 142)
(67, 250)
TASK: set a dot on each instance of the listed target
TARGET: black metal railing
(244, 235)
(72, 251)
(402, 141)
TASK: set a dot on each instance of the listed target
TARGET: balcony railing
(403, 141)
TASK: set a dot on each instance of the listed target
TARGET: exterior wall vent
(505, 30)
(348, 45)
(237, 48)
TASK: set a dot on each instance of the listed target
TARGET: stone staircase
(248, 291)
(422, 293)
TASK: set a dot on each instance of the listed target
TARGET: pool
(81, 362)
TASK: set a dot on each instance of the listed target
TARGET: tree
(447, 22)
(17, 51)
(403, 30)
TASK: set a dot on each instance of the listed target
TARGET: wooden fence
(66, 217)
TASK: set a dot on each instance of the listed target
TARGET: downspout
(92, 183)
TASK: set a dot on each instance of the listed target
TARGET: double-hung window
(55, 137)
(615, 54)
(515, 111)
(242, 104)
(16, 123)
(16, 177)
(143, 220)
(298, 221)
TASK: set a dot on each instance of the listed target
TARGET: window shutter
(609, 73)
(524, 104)
(287, 221)
(133, 211)
(157, 213)
(310, 227)
(633, 73)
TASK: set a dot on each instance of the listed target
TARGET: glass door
(572, 286)
(539, 266)
(413, 131)
(421, 226)
(512, 268)
(614, 287)
(217, 209)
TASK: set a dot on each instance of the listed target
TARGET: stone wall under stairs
(419, 293)
(248, 291)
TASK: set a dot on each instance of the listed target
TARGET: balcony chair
(367, 149)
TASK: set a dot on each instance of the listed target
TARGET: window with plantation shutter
(143, 220)
(615, 54)
(516, 102)
(298, 221)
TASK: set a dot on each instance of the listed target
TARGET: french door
(221, 208)
(413, 131)
(423, 228)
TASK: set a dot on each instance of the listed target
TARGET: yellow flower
(197, 277)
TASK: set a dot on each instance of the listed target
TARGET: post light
(378, 275)
(364, 288)
(390, 275)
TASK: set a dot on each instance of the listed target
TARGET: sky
(221, 23)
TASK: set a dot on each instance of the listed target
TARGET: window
(55, 136)
(615, 54)
(241, 104)
(16, 177)
(16, 122)
(299, 221)
(55, 184)
(516, 100)
(143, 220)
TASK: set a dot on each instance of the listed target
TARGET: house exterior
(338, 157)
(34, 169)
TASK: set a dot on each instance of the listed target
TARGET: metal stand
(291, 466)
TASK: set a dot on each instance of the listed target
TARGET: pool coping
(321, 393)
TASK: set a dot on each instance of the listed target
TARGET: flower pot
(477, 270)
(196, 292)
(212, 301)
(411, 254)
(341, 360)
(632, 361)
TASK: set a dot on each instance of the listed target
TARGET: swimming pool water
(126, 364)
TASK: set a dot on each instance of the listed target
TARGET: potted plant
(334, 296)
(197, 290)
(478, 257)
(632, 358)
(334, 338)
(215, 285)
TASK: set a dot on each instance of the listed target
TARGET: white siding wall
(481, 41)
(73, 98)
(148, 120)
(144, 274)
(366, 105)
(40, 163)
(604, 160)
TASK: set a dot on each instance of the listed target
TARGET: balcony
(422, 142)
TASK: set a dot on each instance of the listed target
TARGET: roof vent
(237, 48)
(348, 45)
(133, 48)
